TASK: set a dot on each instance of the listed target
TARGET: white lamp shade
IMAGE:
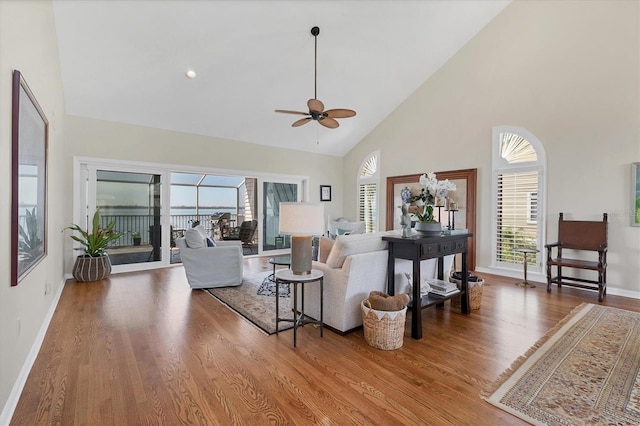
(301, 219)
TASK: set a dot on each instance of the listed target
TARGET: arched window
(368, 192)
(518, 208)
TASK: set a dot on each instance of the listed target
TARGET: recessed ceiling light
(191, 74)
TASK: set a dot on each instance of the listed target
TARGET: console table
(417, 248)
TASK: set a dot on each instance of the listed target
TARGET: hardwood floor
(142, 348)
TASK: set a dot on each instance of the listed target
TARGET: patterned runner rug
(258, 309)
(584, 371)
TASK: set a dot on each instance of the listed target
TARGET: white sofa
(209, 267)
(355, 266)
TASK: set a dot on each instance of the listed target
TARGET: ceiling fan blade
(339, 113)
(287, 111)
(301, 122)
(328, 122)
(315, 105)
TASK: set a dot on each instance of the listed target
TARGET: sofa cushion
(346, 245)
(194, 239)
(325, 248)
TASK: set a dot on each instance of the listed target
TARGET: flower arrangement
(96, 241)
(432, 188)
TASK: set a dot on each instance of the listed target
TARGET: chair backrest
(582, 234)
(247, 229)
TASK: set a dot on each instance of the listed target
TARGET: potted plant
(94, 264)
(137, 239)
(426, 222)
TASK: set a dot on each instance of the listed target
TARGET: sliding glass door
(133, 200)
(273, 193)
(153, 204)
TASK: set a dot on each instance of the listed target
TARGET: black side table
(286, 276)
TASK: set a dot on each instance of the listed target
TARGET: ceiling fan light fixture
(316, 107)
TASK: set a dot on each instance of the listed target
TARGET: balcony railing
(142, 224)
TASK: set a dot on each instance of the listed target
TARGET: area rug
(584, 371)
(258, 309)
(268, 288)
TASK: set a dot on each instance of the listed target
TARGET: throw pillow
(383, 302)
(345, 225)
(194, 239)
(201, 230)
(343, 231)
(325, 248)
(346, 245)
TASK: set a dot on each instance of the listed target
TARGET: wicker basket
(383, 329)
(475, 293)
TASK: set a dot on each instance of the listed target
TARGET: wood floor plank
(143, 348)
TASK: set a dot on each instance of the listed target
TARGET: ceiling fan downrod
(317, 113)
(315, 31)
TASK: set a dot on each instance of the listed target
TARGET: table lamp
(302, 221)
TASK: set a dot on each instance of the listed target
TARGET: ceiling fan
(316, 108)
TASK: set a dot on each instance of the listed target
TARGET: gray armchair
(209, 267)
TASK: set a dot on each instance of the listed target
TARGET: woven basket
(475, 293)
(383, 329)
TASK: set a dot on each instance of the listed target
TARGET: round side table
(525, 252)
(286, 276)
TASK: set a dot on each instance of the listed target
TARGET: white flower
(445, 185)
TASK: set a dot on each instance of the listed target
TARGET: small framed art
(325, 192)
(635, 194)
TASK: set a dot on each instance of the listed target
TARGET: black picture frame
(325, 192)
(29, 145)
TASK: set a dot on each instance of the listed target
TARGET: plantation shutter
(367, 200)
(517, 213)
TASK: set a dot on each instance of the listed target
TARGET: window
(518, 169)
(368, 193)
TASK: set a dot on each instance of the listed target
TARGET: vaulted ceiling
(125, 61)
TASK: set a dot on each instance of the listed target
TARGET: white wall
(566, 71)
(27, 43)
(108, 140)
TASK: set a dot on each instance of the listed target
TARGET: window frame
(368, 180)
(502, 166)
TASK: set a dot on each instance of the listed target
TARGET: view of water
(175, 211)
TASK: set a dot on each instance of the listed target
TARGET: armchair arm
(550, 247)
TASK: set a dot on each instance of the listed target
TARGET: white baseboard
(16, 391)
(542, 278)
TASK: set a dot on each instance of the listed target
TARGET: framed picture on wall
(635, 194)
(325, 192)
(29, 137)
(464, 198)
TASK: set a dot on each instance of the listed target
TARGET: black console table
(417, 248)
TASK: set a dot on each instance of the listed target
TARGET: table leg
(525, 283)
(416, 309)
(321, 304)
(464, 298)
(277, 305)
(295, 310)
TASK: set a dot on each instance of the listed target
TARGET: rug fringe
(490, 389)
